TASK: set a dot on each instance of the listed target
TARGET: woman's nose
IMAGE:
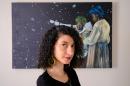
(70, 51)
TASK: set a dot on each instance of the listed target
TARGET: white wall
(116, 76)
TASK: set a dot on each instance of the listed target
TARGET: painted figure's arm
(59, 23)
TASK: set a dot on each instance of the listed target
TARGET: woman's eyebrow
(64, 41)
(67, 42)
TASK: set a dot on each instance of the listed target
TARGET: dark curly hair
(49, 39)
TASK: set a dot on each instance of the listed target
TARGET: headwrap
(97, 10)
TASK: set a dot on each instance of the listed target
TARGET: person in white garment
(98, 40)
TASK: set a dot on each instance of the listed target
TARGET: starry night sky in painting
(31, 20)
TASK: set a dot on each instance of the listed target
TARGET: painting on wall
(93, 21)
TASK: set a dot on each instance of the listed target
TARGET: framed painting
(93, 21)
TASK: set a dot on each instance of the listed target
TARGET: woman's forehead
(65, 38)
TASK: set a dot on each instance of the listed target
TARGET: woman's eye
(73, 46)
(64, 45)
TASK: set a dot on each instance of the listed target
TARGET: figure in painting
(98, 40)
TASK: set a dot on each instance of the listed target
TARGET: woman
(98, 40)
(60, 49)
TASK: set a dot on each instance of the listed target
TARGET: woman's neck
(57, 68)
(57, 72)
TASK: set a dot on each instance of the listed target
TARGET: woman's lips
(69, 58)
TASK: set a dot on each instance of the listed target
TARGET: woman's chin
(67, 62)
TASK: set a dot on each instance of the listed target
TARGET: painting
(93, 21)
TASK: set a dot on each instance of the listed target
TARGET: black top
(46, 80)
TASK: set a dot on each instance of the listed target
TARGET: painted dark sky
(31, 20)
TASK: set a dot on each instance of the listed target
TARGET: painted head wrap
(97, 10)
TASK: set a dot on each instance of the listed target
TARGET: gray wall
(116, 76)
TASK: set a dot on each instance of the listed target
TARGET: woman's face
(79, 25)
(94, 17)
(64, 49)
